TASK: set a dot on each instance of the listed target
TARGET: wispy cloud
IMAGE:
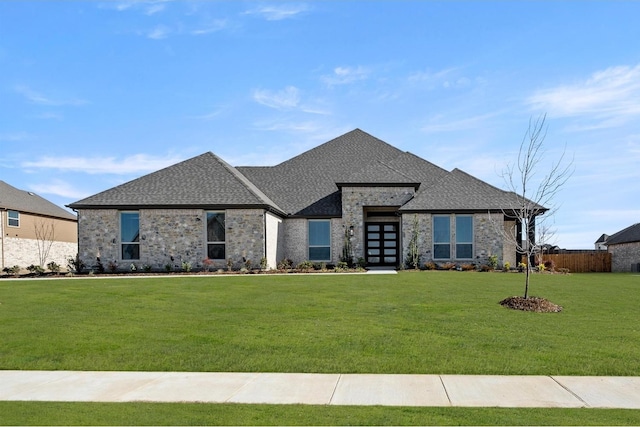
(36, 97)
(137, 163)
(610, 96)
(148, 7)
(285, 99)
(158, 33)
(279, 12)
(211, 27)
(346, 75)
(58, 187)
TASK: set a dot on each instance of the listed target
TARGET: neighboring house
(601, 243)
(624, 247)
(353, 197)
(34, 230)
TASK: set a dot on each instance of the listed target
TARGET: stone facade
(296, 240)
(356, 199)
(623, 255)
(170, 237)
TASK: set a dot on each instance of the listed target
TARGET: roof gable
(628, 235)
(205, 180)
(12, 198)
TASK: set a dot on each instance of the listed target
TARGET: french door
(382, 243)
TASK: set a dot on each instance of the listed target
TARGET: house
(34, 231)
(624, 247)
(355, 198)
(601, 243)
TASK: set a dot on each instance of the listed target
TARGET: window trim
(122, 243)
(458, 242)
(433, 238)
(309, 245)
(9, 218)
(215, 242)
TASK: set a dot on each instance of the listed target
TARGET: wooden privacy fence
(582, 262)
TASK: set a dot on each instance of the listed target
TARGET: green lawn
(413, 322)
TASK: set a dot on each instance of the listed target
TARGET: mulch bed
(539, 305)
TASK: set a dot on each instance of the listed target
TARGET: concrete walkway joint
(323, 389)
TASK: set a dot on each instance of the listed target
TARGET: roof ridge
(247, 183)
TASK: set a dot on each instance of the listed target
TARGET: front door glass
(382, 244)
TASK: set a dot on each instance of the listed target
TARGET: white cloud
(346, 75)
(59, 188)
(287, 98)
(610, 96)
(440, 124)
(39, 98)
(158, 33)
(212, 27)
(278, 13)
(137, 163)
(148, 7)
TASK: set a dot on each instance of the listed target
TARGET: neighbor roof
(628, 235)
(12, 198)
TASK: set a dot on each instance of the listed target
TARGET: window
(320, 240)
(216, 235)
(13, 218)
(130, 235)
(441, 237)
(464, 237)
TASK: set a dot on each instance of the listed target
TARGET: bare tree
(45, 232)
(533, 201)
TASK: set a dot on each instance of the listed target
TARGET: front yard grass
(413, 322)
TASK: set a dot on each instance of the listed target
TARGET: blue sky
(93, 94)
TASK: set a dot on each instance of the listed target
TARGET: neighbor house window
(464, 236)
(441, 237)
(13, 218)
(130, 235)
(320, 240)
(216, 235)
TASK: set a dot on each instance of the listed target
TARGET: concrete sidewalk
(322, 389)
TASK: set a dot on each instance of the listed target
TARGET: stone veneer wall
(355, 199)
(24, 252)
(170, 237)
(623, 255)
(296, 238)
(486, 240)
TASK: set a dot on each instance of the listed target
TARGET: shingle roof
(202, 181)
(12, 198)
(458, 191)
(628, 235)
(307, 184)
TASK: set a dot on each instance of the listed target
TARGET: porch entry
(382, 243)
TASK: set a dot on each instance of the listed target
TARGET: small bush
(305, 265)
(263, 263)
(168, 267)
(448, 266)
(247, 264)
(467, 267)
(112, 266)
(493, 261)
(75, 264)
(430, 265)
(35, 269)
(186, 266)
(564, 270)
(146, 268)
(53, 267)
(99, 265)
(285, 264)
(507, 266)
(342, 266)
(485, 268)
(207, 264)
(15, 270)
(550, 265)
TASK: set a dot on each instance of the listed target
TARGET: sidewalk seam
(335, 387)
(446, 392)
(570, 391)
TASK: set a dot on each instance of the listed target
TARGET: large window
(464, 237)
(320, 240)
(216, 235)
(13, 218)
(441, 237)
(130, 235)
